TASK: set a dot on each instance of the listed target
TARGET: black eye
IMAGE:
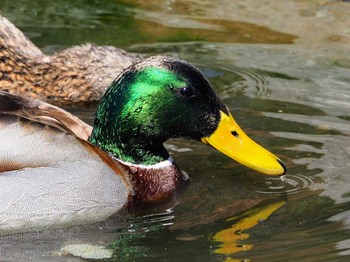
(187, 91)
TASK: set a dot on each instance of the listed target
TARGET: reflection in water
(333, 164)
(231, 238)
(148, 222)
(87, 251)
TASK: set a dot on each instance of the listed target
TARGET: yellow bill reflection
(230, 238)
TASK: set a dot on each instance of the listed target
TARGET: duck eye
(187, 91)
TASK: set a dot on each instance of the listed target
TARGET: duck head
(161, 98)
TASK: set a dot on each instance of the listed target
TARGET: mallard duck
(75, 75)
(57, 170)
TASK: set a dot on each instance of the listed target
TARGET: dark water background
(289, 90)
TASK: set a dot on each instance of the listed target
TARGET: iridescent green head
(150, 102)
(161, 98)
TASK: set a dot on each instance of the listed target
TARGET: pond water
(287, 83)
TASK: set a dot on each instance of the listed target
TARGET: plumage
(75, 75)
(56, 170)
(44, 182)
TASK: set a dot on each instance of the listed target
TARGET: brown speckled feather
(74, 75)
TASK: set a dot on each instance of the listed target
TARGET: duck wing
(44, 113)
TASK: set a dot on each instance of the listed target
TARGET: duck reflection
(231, 238)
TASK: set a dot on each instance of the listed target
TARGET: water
(287, 85)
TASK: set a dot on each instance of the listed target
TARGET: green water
(286, 92)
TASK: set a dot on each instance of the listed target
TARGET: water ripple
(292, 184)
(147, 222)
(253, 79)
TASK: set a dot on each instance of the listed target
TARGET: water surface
(289, 91)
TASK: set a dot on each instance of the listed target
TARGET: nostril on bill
(234, 133)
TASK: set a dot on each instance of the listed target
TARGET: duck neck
(154, 175)
(156, 183)
(131, 150)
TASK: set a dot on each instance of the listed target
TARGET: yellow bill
(230, 139)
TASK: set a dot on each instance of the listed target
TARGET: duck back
(78, 74)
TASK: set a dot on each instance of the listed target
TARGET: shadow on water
(292, 99)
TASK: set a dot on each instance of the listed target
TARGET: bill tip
(283, 166)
